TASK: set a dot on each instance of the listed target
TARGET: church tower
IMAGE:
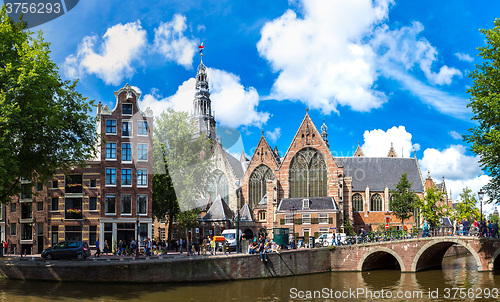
(324, 133)
(204, 121)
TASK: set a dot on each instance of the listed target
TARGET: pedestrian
(98, 250)
(148, 247)
(454, 227)
(495, 229)
(181, 244)
(213, 246)
(262, 249)
(105, 248)
(426, 229)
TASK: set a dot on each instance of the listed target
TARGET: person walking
(98, 249)
(105, 248)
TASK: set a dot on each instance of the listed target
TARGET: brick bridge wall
(412, 255)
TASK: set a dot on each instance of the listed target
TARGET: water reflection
(458, 272)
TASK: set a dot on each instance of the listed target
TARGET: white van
(327, 239)
(230, 236)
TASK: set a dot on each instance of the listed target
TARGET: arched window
(257, 184)
(308, 175)
(357, 203)
(218, 185)
(376, 203)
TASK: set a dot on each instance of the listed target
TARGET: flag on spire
(200, 48)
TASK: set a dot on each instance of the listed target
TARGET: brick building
(109, 198)
(319, 191)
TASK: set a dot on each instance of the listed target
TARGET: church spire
(359, 152)
(324, 133)
(392, 152)
(202, 105)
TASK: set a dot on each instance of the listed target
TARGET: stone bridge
(414, 255)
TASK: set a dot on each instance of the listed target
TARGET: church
(308, 190)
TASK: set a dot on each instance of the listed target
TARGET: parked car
(67, 249)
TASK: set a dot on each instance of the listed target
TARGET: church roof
(202, 203)
(315, 204)
(377, 173)
(236, 165)
(219, 211)
(246, 213)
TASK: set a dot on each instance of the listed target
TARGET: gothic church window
(257, 183)
(218, 185)
(376, 203)
(308, 174)
(357, 203)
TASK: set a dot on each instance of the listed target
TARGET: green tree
(493, 217)
(44, 122)
(485, 105)
(181, 167)
(404, 200)
(466, 208)
(430, 209)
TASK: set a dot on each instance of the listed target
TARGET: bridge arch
(431, 254)
(494, 263)
(380, 257)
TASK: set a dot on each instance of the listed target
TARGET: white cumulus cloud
(452, 163)
(233, 104)
(320, 57)
(171, 42)
(274, 135)
(110, 58)
(464, 57)
(378, 142)
(331, 53)
(455, 134)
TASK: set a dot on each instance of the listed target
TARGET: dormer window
(127, 109)
(305, 203)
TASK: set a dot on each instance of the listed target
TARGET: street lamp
(293, 209)
(237, 183)
(434, 210)
(480, 194)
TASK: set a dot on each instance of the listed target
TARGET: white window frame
(325, 215)
(139, 127)
(131, 105)
(305, 203)
(306, 218)
(106, 204)
(15, 229)
(322, 231)
(131, 132)
(106, 127)
(96, 204)
(106, 152)
(307, 230)
(106, 177)
(139, 184)
(121, 205)
(127, 161)
(126, 185)
(146, 208)
(138, 158)
(288, 219)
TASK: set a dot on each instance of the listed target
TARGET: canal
(458, 277)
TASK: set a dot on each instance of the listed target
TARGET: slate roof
(236, 165)
(246, 213)
(219, 211)
(202, 203)
(315, 204)
(377, 173)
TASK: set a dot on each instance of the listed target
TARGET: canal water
(458, 277)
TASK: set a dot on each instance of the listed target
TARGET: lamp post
(293, 209)
(480, 194)
(434, 210)
(237, 183)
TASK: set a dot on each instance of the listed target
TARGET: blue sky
(376, 71)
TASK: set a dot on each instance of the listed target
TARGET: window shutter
(282, 221)
(330, 220)
(314, 220)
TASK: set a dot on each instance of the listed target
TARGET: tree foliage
(467, 208)
(181, 167)
(431, 208)
(44, 122)
(404, 200)
(485, 105)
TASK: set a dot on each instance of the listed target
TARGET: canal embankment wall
(178, 269)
